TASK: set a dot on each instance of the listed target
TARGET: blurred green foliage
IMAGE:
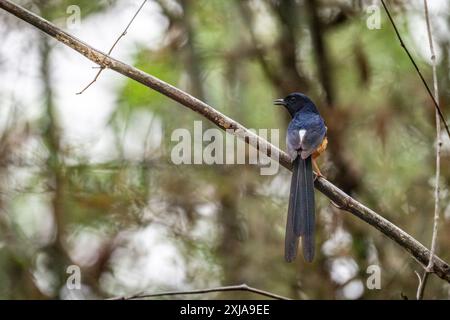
(224, 224)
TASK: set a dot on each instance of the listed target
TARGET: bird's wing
(314, 132)
(293, 142)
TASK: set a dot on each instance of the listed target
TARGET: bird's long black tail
(301, 212)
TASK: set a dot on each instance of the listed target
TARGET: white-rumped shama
(306, 140)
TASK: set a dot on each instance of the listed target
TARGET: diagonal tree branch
(336, 195)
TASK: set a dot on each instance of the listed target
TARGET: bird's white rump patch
(301, 133)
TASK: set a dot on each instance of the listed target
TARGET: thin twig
(429, 268)
(339, 197)
(241, 287)
(102, 67)
(436, 104)
(421, 286)
(422, 283)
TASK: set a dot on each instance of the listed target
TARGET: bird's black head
(295, 102)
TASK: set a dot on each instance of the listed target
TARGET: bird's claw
(319, 175)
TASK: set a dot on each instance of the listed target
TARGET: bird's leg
(316, 168)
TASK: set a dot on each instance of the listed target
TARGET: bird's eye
(292, 99)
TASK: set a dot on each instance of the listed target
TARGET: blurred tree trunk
(192, 57)
(347, 177)
(54, 169)
(230, 247)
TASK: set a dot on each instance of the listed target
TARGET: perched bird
(305, 139)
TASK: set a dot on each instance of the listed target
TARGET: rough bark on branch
(339, 198)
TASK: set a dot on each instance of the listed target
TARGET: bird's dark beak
(279, 102)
